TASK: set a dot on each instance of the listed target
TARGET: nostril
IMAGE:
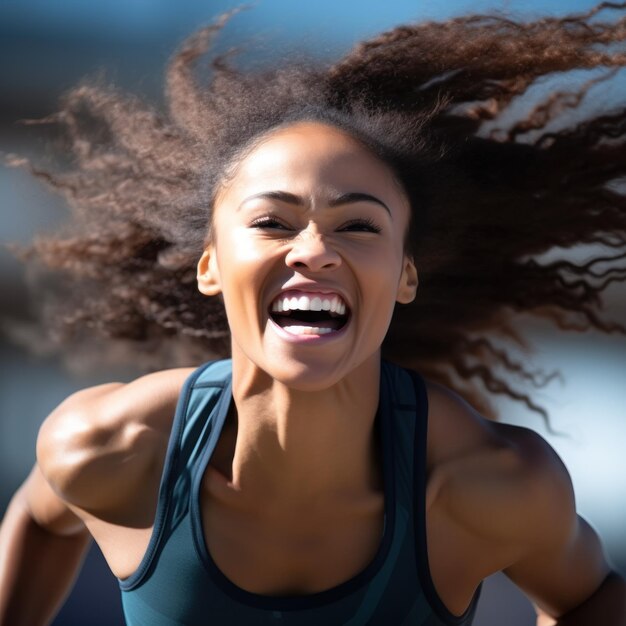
(312, 258)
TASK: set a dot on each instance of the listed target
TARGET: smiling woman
(309, 211)
(335, 464)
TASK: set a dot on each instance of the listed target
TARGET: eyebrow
(346, 198)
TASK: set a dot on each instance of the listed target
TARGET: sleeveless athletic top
(178, 583)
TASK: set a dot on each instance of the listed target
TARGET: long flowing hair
(492, 190)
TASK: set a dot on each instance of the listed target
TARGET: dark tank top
(178, 583)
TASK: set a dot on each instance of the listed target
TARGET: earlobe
(407, 288)
(208, 275)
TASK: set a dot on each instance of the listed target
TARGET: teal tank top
(177, 582)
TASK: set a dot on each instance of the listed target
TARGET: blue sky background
(79, 36)
(46, 47)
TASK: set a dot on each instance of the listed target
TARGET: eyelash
(268, 222)
(365, 224)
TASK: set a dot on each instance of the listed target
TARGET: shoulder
(506, 499)
(502, 484)
(99, 440)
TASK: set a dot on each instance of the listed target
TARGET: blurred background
(46, 47)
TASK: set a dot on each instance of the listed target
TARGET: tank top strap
(406, 411)
(194, 429)
(410, 427)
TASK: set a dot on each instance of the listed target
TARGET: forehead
(312, 157)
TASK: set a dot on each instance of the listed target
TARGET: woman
(280, 216)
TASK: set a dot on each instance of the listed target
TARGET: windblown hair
(490, 192)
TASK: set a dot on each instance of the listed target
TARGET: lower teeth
(307, 330)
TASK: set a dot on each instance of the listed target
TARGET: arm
(42, 545)
(562, 567)
(607, 605)
(95, 453)
(42, 541)
(510, 492)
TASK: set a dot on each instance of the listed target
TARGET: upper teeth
(323, 302)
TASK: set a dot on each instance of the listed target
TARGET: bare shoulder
(100, 440)
(503, 484)
(501, 499)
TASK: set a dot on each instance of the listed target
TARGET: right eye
(270, 223)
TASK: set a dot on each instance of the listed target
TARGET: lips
(309, 313)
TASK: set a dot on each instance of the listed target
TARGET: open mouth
(300, 313)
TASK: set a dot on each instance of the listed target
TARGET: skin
(292, 499)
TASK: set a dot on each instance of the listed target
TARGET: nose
(310, 250)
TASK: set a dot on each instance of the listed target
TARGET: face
(308, 255)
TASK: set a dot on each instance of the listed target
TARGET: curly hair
(489, 196)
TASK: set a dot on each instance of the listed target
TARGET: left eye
(361, 225)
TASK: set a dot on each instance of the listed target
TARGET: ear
(407, 287)
(208, 274)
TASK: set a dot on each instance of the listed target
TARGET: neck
(304, 444)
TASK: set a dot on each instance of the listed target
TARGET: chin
(307, 377)
(315, 374)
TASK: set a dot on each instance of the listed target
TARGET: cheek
(379, 272)
(382, 262)
(244, 263)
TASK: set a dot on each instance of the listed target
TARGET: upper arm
(98, 446)
(561, 561)
(566, 573)
(509, 491)
(46, 508)
(71, 444)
